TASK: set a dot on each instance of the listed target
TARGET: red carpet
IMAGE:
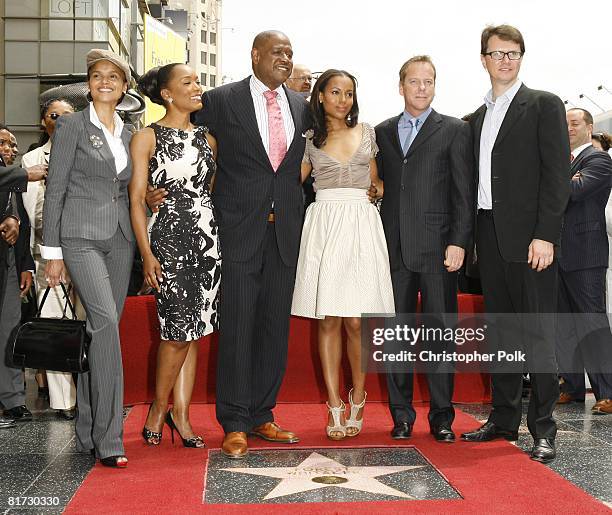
(303, 380)
(494, 477)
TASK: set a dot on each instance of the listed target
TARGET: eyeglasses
(303, 79)
(498, 55)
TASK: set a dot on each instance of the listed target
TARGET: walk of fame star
(318, 471)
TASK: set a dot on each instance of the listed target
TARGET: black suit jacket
(584, 240)
(12, 179)
(246, 185)
(529, 171)
(23, 254)
(429, 192)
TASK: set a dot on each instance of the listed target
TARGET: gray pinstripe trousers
(100, 270)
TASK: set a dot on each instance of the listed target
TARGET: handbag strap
(67, 305)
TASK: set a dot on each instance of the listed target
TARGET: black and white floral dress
(183, 234)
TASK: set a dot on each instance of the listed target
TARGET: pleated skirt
(343, 265)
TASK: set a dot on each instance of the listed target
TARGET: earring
(169, 100)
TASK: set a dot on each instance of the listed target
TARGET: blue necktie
(412, 132)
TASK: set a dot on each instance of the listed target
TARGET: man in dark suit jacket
(425, 160)
(522, 152)
(18, 265)
(259, 126)
(12, 179)
(584, 340)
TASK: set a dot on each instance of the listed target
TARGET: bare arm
(306, 169)
(142, 147)
(377, 183)
(213, 146)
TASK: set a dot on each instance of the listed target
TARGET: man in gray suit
(425, 160)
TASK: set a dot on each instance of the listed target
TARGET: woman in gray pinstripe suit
(86, 225)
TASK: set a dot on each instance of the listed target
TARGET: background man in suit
(585, 341)
(8, 145)
(12, 179)
(522, 151)
(300, 81)
(425, 160)
(18, 266)
(259, 126)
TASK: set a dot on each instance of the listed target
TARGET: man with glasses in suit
(522, 153)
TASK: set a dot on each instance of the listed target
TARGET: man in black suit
(425, 160)
(584, 340)
(259, 126)
(522, 152)
(12, 179)
(18, 266)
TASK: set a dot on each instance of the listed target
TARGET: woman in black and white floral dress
(180, 249)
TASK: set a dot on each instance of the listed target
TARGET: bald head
(300, 80)
(272, 58)
(263, 37)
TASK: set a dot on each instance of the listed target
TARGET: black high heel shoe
(194, 442)
(151, 437)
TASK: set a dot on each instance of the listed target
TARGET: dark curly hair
(605, 140)
(316, 107)
(154, 80)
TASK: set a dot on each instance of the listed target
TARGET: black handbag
(56, 344)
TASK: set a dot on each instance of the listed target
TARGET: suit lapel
(575, 166)
(244, 110)
(125, 137)
(515, 111)
(430, 127)
(477, 122)
(297, 109)
(393, 135)
(96, 139)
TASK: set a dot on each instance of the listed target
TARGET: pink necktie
(276, 130)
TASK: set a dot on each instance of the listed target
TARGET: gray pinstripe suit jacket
(85, 198)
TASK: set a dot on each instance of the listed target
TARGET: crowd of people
(393, 213)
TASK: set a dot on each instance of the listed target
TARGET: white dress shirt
(115, 144)
(576, 152)
(114, 140)
(494, 117)
(261, 111)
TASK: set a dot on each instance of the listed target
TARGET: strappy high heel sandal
(195, 442)
(151, 437)
(352, 421)
(337, 427)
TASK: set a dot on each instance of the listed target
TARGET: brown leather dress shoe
(602, 407)
(272, 432)
(566, 398)
(235, 445)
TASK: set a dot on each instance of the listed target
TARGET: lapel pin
(96, 141)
